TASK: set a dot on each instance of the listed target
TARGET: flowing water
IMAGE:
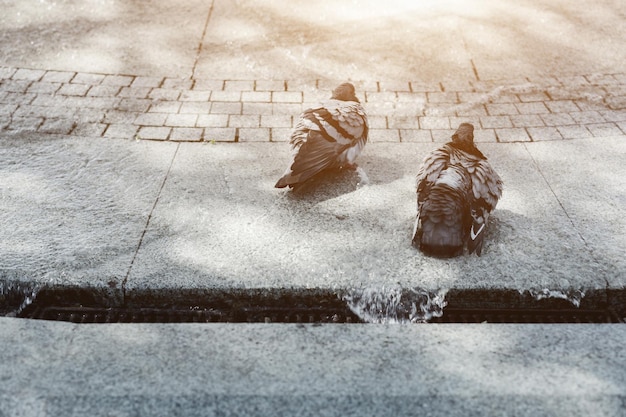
(15, 296)
(376, 304)
(396, 304)
(363, 178)
(573, 296)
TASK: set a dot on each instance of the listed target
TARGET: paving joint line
(145, 230)
(578, 232)
(201, 43)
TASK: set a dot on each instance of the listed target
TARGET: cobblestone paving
(169, 109)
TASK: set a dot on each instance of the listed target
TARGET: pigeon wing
(314, 155)
(346, 119)
(323, 138)
(429, 171)
(486, 191)
(486, 184)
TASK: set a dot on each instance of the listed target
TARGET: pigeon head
(464, 134)
(345, 92)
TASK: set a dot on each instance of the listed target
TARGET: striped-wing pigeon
(331, 135)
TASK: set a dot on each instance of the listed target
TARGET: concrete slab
(29, 350)
(427, 41)
(369, 41)
(155, 38)
(537, 38)
(331, 370)
(73, 210)
(220, 223)
(589, 178)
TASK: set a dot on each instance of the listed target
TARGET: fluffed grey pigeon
(457, 189)
(331, 135)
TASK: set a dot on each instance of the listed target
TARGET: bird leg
(349, 166)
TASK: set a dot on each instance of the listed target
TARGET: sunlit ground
(360, 40)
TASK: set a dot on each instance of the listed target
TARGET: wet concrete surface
(73, 211)
(136, 216)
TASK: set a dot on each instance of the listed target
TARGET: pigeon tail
(283, 182)
(441, 224)
(443, 251)
(316, 155)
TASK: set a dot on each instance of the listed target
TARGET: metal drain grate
(453, 315)
(308, 306)
(158, 315)
(303, 315)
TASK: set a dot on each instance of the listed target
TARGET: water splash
(363, 178)
(395, 304)
(15, 297)
(573, 296)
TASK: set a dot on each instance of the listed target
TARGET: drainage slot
(189, 315)
(456, 315)
(302, 315)
(395, 305)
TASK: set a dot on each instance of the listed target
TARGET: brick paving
(169, 109)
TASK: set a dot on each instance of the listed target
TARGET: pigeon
(457, 189)
(328, 136)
